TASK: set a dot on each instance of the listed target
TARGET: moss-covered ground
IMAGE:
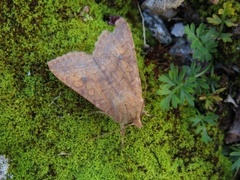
(50, 132)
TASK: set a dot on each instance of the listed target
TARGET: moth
(109, 78)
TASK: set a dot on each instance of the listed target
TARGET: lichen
(50, 132)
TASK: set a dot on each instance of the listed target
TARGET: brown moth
(109, 78)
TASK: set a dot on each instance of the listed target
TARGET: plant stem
(204, 71)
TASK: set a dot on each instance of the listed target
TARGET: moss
(50, 132)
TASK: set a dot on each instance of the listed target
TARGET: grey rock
(157, 27)
(182, 48)
(178, 30)
(160, 6)
(3, 167)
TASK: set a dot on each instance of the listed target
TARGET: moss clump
(49, 132)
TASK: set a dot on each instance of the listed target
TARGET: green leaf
(215, 20)
(200, 29)
(200, 121)
(175, 101)
(191, 80)
(227, 9)
(205, 137)
(176, 88)
(201, 84)
(165, 103)
(190, 99)
(181, 76)
(211, 117)
(188, 88)
(236, 165)
(195, 120)
(173, 73)
(199, 129)
(158, 92)
(165, 79)
(164, 90)
(203, 41)
(235, 153)
(179, 87)
(229, 23)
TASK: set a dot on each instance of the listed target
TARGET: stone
(157, 27)
(160, 6)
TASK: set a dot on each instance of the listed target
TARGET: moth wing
(79, 71)
(115, 52)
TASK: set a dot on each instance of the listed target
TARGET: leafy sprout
(225, 18)
(201, 121)
(202, 40)
(210, 99)
(176, 87)
(227, 11)
(185, 85)
(235, 154)
(180, 87)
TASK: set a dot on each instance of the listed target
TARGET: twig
(143, 26)
(55, 99)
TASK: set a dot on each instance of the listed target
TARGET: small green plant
(203, 41)
(210, 99)
(227, 11)
(180, 87)
(177, 88)
(226, 18)
(201, 121)
(185, 86)
(235, 156)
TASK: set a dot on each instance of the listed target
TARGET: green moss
(50, 132)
